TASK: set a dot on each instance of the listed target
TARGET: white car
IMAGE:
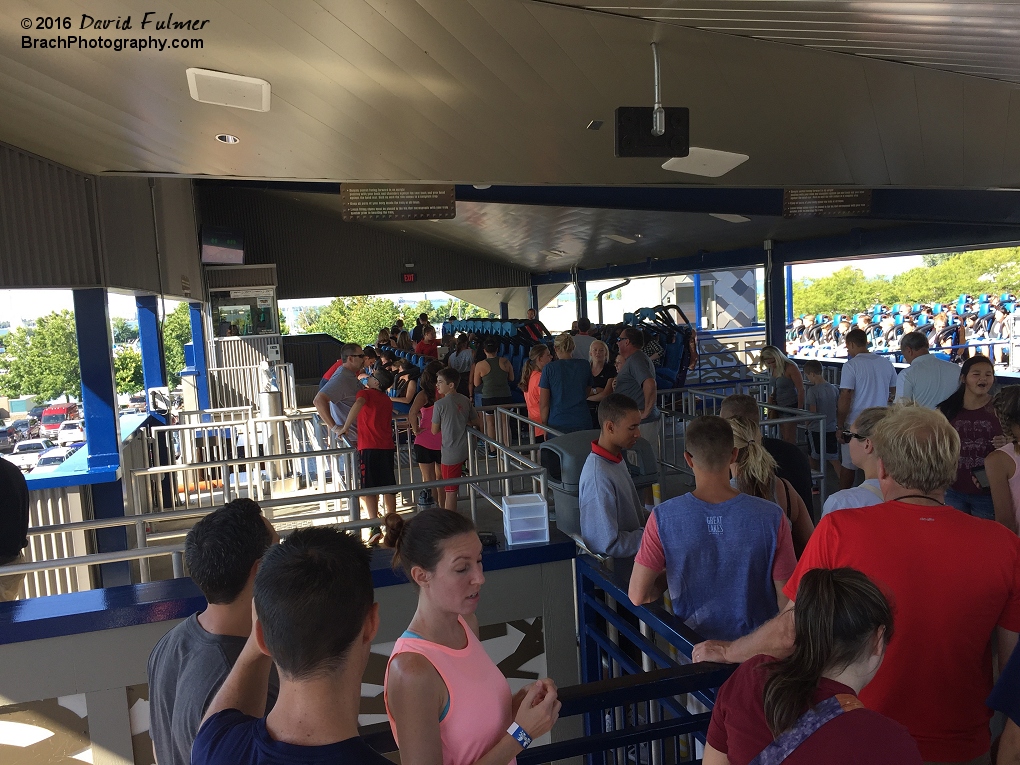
(71, 432)
(53, 458)
(26, 453)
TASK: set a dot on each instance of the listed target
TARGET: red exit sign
(409, 277)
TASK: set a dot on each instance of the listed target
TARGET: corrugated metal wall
(129, 235)
(47, 233)
(318, 255)
(177, 231)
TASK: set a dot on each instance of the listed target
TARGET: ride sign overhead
(419, 201)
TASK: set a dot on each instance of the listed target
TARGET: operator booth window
(240, 313)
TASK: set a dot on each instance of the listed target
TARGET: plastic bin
(525, 519)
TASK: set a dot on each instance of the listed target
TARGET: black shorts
(377, 467)
(424, 456)
(497, 401)
(831, 446)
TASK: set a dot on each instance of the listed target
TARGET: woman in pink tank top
(1003, 465)
(447, 702)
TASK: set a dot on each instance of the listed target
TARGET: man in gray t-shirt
(190, 663)
(335, 399)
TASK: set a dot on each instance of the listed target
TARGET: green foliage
(123, 332)
(354, 320)
(935, 259)
(848, 290)
(42, 361)
(461, 309)
(127, 367)
(284, 329)
(307, 317)
(176, 333)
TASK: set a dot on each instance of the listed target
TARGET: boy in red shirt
(428, 345)
(373, 412)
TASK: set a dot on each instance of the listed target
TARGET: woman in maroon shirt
(843, 623)
(970, 412)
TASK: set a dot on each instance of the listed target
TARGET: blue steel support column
(102, 427)
(789, 295)
(201, 364)
(504, 311)
(696, 280)
(775, 298)
(581, 292)
(533, 302)
(151, 340)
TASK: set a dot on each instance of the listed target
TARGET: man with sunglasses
(334, 401)
(864, 457)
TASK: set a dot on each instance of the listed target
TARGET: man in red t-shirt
(372, 414)
(428, 345)
(953, 580)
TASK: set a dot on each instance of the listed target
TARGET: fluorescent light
(227, 138)
(482, 186)
(553, 253)
(707, 162)
(730, 218)
(621, 239)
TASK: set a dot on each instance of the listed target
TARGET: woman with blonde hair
(754, 474)
(602, 375)
(403, 341)
(564, 389)
(786, 386)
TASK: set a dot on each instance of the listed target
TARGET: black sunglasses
(847, 435)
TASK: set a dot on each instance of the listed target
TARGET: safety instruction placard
(371, 201)
(826, 203)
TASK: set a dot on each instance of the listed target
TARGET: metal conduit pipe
(624, 283)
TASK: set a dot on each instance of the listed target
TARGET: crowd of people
(974, 324)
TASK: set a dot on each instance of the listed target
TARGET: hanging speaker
(634, 132)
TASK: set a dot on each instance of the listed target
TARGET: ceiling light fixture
(730, 218)
(711, 163)
(224, 89)
(227, 138)
(483, 186)
(620, 239)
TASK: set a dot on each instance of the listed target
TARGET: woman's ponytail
(839, 612)
(756, 469)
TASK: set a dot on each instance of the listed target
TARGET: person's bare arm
(999, 467)
(649, 390)
(794, 373)
(1006, 640)
(781, 600)
(412, 413)
(774, 638)
(646, 585)
(508, 368)
(477, 374)
(544, 403)
(409, 393)
(846, 398)
(247, 686)
(321, 404)
(714, 757)
(1009, 745)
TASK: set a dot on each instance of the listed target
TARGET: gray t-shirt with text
(341, 390)
(453, 413)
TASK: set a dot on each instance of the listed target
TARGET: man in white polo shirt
(929, 381)
(867, 380)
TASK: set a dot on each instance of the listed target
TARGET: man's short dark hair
(740, 405)
(914, 341)
(635, 336)
(349, 349)
(313, 592)
(423, 317)
(857, 338)
(222, 547)
(583, 325)
(385, 378)
(449, 375)
(615, 407)
(813, 366)
(709, 440)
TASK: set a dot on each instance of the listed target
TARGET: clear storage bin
(525, 519)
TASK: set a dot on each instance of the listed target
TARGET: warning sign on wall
(826, 203)
(370, 201)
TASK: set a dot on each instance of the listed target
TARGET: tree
(284, 329)
(176, 332)
(42, 361)
(355, 320)
(935, 258)
(124, 333)
(127, 367)
(307, 317)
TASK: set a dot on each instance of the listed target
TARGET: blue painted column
(534, 300)
(102, 426)
(789, 295)
(775, 298)
(504, 311)
(696, 281)
(151, 340)
(200, 361)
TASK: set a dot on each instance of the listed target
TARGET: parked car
(71, 432)
(55, 414)
(53, 458)
(36, 412)
(26, 453)
(8, 437)
(27, 428)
